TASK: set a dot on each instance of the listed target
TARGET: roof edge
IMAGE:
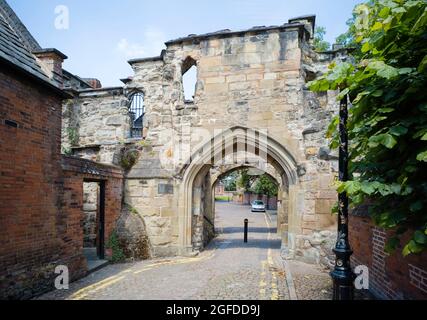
(39, 80)
(13, 19)
(148, 59)
(50, 50)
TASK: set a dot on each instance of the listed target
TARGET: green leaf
(405, 70)
(366, 47)
(332, 126)
(377, 93)
(406, 251)
(385, 110)
(420, 237)
(352, 187)
(399, 10)
(422, 156)
(385, 139)
(423, 65)
(384, 12)
(399, 130)
(421, 22)
(342, 94)
(415, 247)
(388, 73)
(385, 190)
(341, 187)
(377, 26)
(420, 133)
(416, 206)
(383, 70)
(396, 188)
(368, 188)
(360, 96)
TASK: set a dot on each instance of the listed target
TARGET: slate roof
(17, 44)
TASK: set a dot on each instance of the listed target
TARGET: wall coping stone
(84, 166)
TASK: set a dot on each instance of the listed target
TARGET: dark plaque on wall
(165, 189)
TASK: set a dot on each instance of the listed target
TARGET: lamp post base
(343, 276)
(343, 285)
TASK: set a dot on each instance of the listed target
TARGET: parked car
(258, 206)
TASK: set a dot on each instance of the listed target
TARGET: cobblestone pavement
(228, 269)
(314, 283)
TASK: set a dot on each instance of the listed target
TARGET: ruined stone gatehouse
(251, 108)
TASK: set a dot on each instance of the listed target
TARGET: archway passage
(246, 193)
(235, 148)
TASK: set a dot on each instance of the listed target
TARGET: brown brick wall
(392, 277)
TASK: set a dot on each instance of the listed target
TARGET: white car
(258, 206)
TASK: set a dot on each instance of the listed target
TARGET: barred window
(137, 112)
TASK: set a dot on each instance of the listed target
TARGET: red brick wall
(393, 276)
(76, 172)
(41, 193)
(30, 172)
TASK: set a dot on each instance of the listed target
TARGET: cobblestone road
(228, 269)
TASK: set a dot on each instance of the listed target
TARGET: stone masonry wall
(254, 79)
(90, 211)
(95, 125)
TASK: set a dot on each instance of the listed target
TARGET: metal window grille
(137, 112)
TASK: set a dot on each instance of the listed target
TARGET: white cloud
(151, 45)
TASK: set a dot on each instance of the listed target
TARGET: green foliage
(133, 210)
(230, 181)
(387, 125)
(245, 180)
(230, 185)
(66, 151)
(117, 252)
(319, 43)
(128, 157)
(222, 198)
(73, 136)
(266, 186)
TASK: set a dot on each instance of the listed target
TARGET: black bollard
(246, 230)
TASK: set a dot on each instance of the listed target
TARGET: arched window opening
(189, 79)
(137, 112)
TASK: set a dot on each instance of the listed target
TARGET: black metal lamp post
(342, 274)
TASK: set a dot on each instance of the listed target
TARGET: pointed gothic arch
(227, 142)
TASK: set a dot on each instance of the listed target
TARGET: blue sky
(104, 34)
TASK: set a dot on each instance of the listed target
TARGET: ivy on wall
(387, 87)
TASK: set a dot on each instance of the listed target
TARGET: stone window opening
(189, 79)
(137, 113)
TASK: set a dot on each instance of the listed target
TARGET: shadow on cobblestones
(229, 230)
(253, 243)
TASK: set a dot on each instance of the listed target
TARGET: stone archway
(237, 142)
